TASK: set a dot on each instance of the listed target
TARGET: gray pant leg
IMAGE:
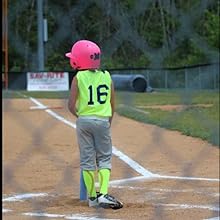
(103, 144)
(86, 145)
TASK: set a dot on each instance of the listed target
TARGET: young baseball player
(92, 102)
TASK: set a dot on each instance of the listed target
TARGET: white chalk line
(187, 206)
(133, 164)
(6, 210)
(161, 191)
(72, 216)
(55, 115)
(25, 196)
(43, 108)
(22, 197)
(215, 218)
(133, 108)
(156, 176)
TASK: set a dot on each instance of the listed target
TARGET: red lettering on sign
(46, 75)
(55, 75)
(36, 75)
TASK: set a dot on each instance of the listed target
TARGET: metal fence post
(200, 82)
(186, 78)
(40, 35)
(166, 79)
(148, 79)
(214, 76)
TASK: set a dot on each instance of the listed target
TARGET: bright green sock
(104, 176)
(89, 179)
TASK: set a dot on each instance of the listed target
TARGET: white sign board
(47, 81)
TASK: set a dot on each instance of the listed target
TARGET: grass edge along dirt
(193, 120)
(196, 121)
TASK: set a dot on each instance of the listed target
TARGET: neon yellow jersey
(94, 93)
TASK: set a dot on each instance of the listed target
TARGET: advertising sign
(47, 81)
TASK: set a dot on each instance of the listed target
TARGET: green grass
(201, 122)
(165, 97)
(195, 121)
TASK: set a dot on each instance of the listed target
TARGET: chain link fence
(38, 126)
(195, 77)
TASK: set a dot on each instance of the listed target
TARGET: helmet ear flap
(73, 64)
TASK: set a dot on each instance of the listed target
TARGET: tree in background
(131, 33)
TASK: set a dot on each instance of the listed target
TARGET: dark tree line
(130, 33)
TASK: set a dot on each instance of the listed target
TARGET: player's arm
(112, 101)
(73, 97)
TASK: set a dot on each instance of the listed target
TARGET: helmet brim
(69, 55)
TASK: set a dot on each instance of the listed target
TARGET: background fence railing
(194, 77)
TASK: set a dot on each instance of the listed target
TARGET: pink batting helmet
(84, 54)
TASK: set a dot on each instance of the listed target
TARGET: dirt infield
(158, 174)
